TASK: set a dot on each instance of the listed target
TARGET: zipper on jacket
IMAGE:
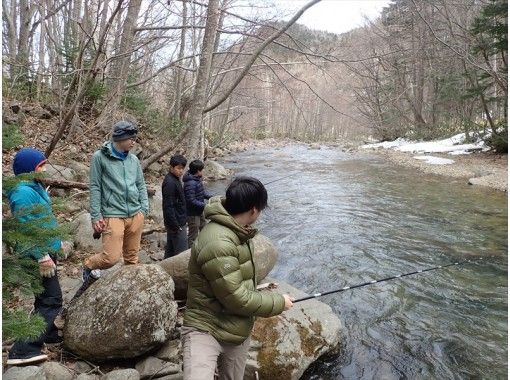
(126, 186)
(253, 265)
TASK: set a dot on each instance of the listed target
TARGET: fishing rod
(279, 179)
(316, 295)
(267, 183)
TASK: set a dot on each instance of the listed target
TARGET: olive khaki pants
(202, 353)
(195, 225)
(121, 237)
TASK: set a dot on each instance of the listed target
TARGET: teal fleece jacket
(117, 186)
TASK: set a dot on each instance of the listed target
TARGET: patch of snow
(435, 160)
(387, 144)
(453, 145)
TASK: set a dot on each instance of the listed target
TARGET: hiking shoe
(90, 274)
(22, 361)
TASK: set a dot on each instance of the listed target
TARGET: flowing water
(343, 219)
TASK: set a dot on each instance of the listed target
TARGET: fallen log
(64, 184)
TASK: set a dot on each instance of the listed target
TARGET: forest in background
(197, 75)
(201, 74)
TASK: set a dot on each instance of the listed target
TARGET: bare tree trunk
(42, 48)
(120, 69)
(70, 112)
(257, 52)
(199, 94)
(167, 148)
(26, 12)
(9, 17)
(178, 72)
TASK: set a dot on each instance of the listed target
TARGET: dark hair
(195, 166)
(243, 194)
(178, 160)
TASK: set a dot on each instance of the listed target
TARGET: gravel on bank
(482, 168)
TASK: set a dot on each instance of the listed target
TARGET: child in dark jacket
(174, 208)
(196, 197)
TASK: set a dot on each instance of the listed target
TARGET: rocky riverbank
(137, 304)
(482, 168)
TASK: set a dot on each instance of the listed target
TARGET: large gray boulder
(24, 373)
(156, 207)
(122, 374)
(283, 347)
(123, 315)
(81, 170)
(55, 171)
(151, 367)
(83, 234)
(265, 257)
(214, 171)
(56, 371)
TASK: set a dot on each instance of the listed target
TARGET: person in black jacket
(196, 196)
(174, 208)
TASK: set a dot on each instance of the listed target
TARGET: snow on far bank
(452, 145)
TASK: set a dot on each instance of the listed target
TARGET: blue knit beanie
(27, 160)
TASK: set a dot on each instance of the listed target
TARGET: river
(346, 218)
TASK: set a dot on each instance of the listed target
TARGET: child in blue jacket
(29, 201)
(196, 198)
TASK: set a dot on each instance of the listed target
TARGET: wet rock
(56, 371)
(123, 315)
(265, 257)
(152, 367)
(283, 347)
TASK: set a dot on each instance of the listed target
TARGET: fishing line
(316, 295)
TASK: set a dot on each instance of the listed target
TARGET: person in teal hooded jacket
(30, 203)
(118, 202)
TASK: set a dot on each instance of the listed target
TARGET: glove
(65, 249)
(47, 267)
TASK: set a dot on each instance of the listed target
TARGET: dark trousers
(176, 242)
(195, 225)
(48, 305)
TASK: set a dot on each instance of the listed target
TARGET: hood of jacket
(187, 177)
(215, 212)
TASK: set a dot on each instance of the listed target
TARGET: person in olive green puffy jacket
(223, 300)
